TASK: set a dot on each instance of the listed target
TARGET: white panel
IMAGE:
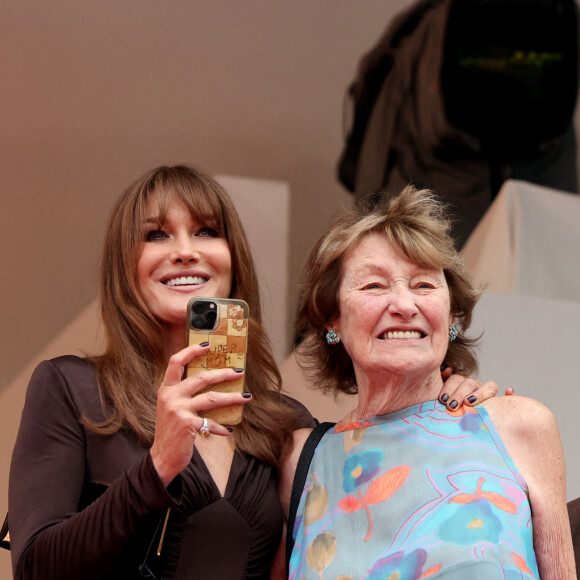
(264, 209)
(527, 243)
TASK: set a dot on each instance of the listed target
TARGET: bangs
(418, 247)
(203, 205)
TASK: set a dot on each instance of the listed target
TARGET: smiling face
(394, 314)
(180, 258)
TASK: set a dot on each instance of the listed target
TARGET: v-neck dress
(89, 506)
(419, 493)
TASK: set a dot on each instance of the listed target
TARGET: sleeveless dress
(418, 493)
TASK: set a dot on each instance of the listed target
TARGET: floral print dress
(420, 493)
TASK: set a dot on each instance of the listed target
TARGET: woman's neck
(385, 395)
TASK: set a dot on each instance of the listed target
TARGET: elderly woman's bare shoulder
(300, 436)
(288, 466)
(289, 462)
(521, 416)
(516, 404)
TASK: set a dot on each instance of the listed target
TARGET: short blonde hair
(416, 222)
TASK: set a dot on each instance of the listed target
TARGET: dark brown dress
(59, 467)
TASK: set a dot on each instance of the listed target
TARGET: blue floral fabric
(419, 493)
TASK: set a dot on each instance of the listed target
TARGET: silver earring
(331, 337)
(453, 334)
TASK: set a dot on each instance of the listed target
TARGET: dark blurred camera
(203, 315)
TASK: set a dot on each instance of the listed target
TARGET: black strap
(300, 479)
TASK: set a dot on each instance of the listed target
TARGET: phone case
(228, 346)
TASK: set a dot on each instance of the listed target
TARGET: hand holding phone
(223, 322)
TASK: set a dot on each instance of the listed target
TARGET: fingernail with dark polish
(247, 395)
(472, 399)
(239, 370)
(230, 430)
(453, 404)
(445, 397)
(204, 344)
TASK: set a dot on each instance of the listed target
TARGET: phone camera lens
(210, 318)
(197, 322)
(203, 314)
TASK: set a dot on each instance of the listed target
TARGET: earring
(331, 337)
(453, 334)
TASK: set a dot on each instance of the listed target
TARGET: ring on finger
(204, 429)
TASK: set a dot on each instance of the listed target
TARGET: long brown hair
(133, 364)
(414, 221)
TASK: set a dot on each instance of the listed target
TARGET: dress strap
(300, 479)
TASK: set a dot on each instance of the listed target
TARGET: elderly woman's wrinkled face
(394, 315)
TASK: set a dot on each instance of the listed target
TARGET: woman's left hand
(459, 390)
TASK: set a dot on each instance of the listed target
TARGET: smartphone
(223, 322)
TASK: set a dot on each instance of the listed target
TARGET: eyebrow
(377, 269)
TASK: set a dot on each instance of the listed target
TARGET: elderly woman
(404, 487)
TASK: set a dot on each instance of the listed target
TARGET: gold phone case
(223, 322)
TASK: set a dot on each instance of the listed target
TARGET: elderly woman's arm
(530, 433)
(285, 481)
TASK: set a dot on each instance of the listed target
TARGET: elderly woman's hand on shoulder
(459, 390)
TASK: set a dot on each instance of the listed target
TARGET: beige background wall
(95, 93)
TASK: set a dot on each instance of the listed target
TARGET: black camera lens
(203, 314)
(210, 318)
(198, 322)
(199, 307)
